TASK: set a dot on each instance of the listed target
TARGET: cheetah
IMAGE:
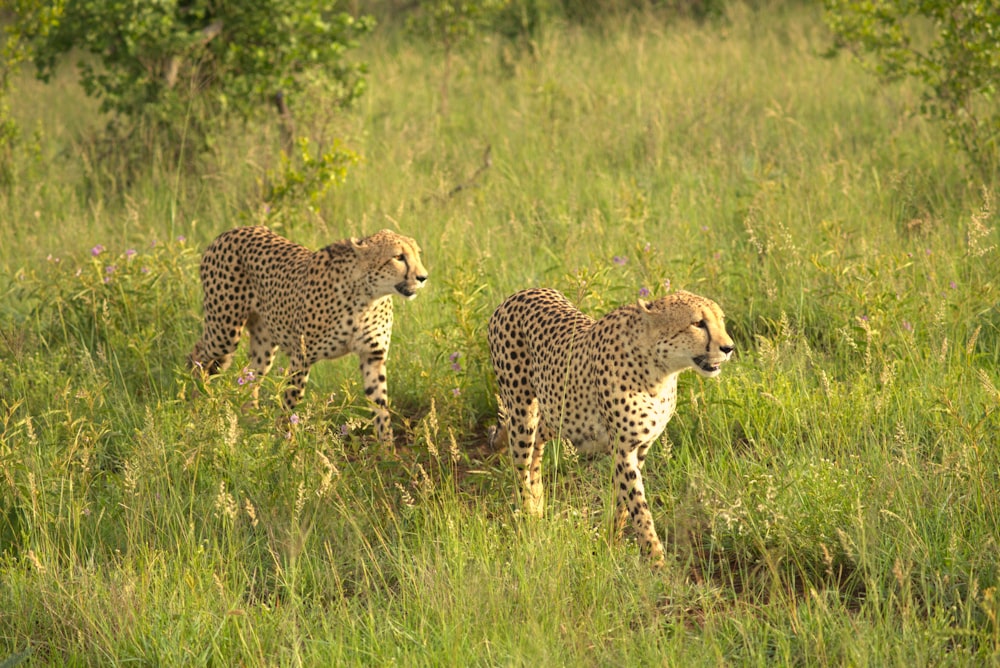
(607, 385)
(313, 305)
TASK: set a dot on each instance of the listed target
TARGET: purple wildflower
(907, 325)
(110, 269)
(344, 431)
(97, 250)
(953, 285)
(246, 376)
(456, 391)
(130, 253)
(619, 260)
(647, 247)
(294, 418)
(181, 238)
(644, 291)
(666, 285)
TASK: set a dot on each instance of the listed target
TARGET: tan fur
(312, 304)
(607, 385)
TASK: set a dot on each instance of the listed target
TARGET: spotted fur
(314, 305)
(607, 385)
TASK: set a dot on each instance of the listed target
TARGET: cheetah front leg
(632, 499)
(622, 516)
(376, 389)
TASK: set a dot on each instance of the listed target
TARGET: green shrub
(952, 48)
(170, 69)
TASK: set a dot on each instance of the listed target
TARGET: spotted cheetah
(604, 385)
(313, 305)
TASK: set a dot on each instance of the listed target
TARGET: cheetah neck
(665, 385)
(666, 394)
(650, 377)
(337, 264)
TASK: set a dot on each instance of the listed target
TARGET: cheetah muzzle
(404, 289)
(312, 304)
(607, 385)
(702, 364)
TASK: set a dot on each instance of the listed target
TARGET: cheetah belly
(333, 345)
(596, 442)
(591, 433)
(588, 434)
(580, 421)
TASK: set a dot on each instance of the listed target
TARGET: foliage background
(831, 499)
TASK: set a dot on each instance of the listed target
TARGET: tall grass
(831, 499)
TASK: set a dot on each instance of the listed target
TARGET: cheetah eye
(401, 257)
(701, 324)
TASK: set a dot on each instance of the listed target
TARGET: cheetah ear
(357, 244)
(642, 304)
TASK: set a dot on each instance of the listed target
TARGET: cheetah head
(686, 332)
(392, 262)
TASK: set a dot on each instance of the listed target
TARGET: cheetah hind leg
(210, 355)
(262, 350)
(527, 449)
(208, 363)
(298, 376)
(498, 439)
(497, 436)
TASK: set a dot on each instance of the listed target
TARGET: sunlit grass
(830, 499)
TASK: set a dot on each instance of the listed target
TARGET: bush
(175, 66)
(14, 49)
(952, 47)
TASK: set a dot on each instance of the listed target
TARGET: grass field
(832, 498)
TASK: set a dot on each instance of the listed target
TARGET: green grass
(832, 498)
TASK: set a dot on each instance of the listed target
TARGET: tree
(951, 46)
(182, 63)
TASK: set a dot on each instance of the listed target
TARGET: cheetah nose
(726, 349)
(422, 278)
